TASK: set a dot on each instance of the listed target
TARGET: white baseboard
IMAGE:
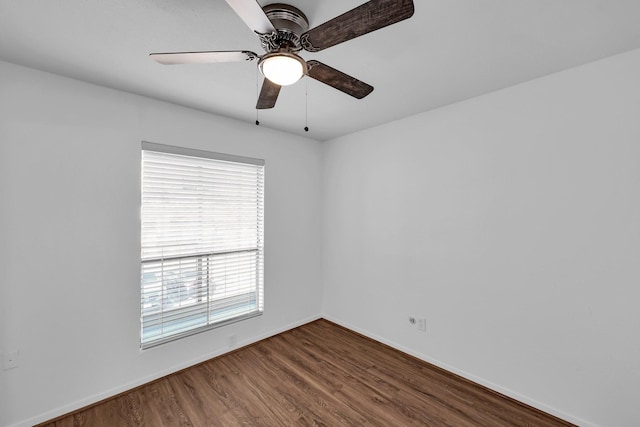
(141, 381)
(510, 393)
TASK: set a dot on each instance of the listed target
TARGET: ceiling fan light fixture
(283, 68)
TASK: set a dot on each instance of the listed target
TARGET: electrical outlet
(10, 360)
(422, 324)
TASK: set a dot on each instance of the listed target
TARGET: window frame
(256, 293)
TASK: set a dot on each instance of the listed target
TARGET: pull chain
(306, 105)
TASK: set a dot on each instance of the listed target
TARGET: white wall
(70, 238)
(512, 223)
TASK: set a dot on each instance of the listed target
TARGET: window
(202, 241)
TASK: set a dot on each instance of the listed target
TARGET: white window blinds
(202, 241)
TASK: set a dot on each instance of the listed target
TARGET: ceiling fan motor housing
(289, 23)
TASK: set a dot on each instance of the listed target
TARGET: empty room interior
(449, 185)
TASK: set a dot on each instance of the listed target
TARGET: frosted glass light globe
(283, 69)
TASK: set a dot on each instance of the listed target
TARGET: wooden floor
(318, 374)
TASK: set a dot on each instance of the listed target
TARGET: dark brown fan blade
(252, 15)
(364, 19)
(203, 57)
(337, 79)
(268, 95)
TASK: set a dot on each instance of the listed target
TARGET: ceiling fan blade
(203, 57)
(337, 79)
(252, 15)
(364, 19)
(268, 95)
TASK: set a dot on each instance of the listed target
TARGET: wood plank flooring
(318, 374)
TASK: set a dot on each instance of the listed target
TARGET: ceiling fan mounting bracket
(250, 55)
(306, 44)
(290, 23)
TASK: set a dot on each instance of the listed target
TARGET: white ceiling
(448, 51)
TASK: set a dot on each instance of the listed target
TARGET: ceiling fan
(283, 31)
